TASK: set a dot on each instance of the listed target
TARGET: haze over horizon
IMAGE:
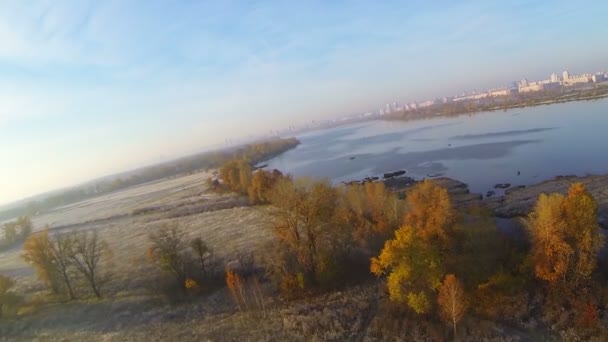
(93, 88)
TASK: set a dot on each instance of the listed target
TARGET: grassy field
(124, 219)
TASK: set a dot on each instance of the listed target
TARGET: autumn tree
(430, 211)
(371, 212)
(580, 215)
(38, 252)
(235, 286)
(550, 251)
(87, 254)
(414, 269)
(302, 221)
(236, 174)
(451, 300)
(415, 259)
(6, 284)
(565, 237)
(261, 184)
(169, 251)
(230, 174)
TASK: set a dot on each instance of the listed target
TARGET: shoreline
(516, 201)
(564, 99)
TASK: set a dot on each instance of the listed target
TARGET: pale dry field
(124, 219)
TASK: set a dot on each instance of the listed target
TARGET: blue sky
(89, 88)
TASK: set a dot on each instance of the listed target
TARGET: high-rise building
(566, 75)
(523, 83)
(554, 78)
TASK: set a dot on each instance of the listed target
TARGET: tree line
(254, 153)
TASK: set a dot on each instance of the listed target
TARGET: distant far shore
(504, 103)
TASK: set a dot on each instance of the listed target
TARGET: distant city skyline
(521, 86)
(93, 88)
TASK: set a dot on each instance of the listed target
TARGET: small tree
(451, 300)
(168, 252)
(38, 252)
(10, 232)
(87, 253)
(235, 285)
(25, 226)
(203, 253)
(62, 250)
(6, 284)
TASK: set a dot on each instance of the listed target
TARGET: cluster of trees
(190, 262)
(444, 257)
(436, 259)
(15, 232)
(239, 176)
(61, 261)
(253, 153)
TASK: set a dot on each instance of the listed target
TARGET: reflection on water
(488, 148)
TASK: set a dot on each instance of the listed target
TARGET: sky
(91, 88)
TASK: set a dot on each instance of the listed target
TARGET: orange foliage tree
(451, 300)
(565, 237)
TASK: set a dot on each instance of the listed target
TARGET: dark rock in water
(353, 157)
(260, 167)
(398, 184)
(490, 193)
(518, 173)
(394, 174)
(502, 186)
(375, 178)
(434, 175)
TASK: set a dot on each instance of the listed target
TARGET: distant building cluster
(554, 82)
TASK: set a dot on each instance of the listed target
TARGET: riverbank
(517, 201)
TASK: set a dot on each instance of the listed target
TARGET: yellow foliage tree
(580, 214)
(413, 266)
(38, 252)
(550, 251)
(415, 258)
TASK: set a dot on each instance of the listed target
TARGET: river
(520, 146)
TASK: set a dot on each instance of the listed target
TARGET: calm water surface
(481, 150)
